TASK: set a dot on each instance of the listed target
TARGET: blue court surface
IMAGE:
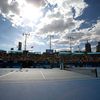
(48, 84)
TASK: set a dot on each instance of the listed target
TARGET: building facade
(19, 45)
(87, 47)
(98, 47)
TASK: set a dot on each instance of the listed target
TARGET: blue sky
(79, 19)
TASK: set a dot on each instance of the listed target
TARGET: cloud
(20, 12)
(37, 3)
(62, 17)
(5, 7)
(78, 6)
(56, 17)
(91, 34)
(61, 22)
(80, 37)
(13, 10)
(57, 26)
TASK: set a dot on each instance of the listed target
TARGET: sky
(60, 19)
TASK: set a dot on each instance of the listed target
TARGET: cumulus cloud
(13, 9)
(91, 34)
(37, 2)
(62, 17)
(56, 17)
(5, 7)
(57, 26)
(78, 6)
(62, 21)
(21, 12)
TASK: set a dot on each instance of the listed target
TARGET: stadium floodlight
(26, 35)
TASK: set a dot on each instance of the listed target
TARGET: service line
(6, 74)
(43, 75)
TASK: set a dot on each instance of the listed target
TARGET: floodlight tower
(79, 48)
(26, 36)
(50, 36)
(70, 39)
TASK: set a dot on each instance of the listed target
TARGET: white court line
(6, 74)
(43, 75)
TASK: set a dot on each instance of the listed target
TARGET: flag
(32, 46)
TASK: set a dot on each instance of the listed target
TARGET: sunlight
(31, 13)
